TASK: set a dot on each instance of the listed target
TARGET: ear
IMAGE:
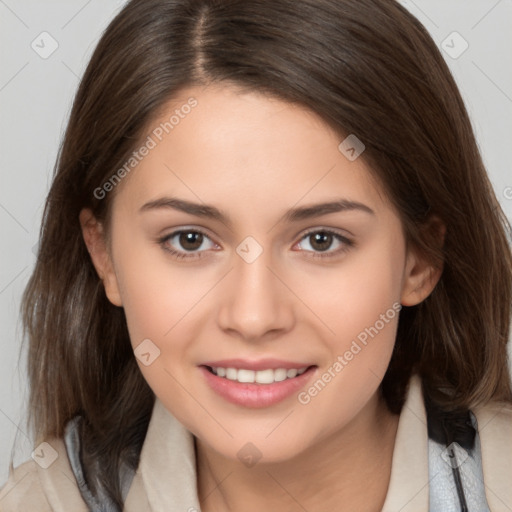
(95, 240)
(420, 276)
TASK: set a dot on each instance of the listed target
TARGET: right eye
(186, 243)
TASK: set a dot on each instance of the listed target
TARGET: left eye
(323, 240)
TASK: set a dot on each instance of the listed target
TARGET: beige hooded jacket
(166, 477)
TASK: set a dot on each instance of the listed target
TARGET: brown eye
(321, 241)
(187, 243)
(324, 243)
(190, 240)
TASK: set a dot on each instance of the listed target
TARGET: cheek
(369, 306)
(359, 306)
(157, 293)
(362, 308)
(160, 304)
(151, 302)
(360, 295)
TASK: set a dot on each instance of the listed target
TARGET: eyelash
(197, 255)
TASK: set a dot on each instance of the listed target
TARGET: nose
(255, 302)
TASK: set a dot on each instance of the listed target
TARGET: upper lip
(261, 364)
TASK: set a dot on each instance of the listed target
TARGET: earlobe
(420, 276)
(95, 240)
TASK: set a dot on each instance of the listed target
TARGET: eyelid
(338, 231)
(325, 229)
(188, 229)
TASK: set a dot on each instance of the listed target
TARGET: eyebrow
(292, 215)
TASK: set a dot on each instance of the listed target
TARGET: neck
(349, 470)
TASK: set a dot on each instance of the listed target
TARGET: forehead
(223, 145)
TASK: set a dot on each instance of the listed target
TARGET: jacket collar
(166, 478)
(408, 489)
(167, 468)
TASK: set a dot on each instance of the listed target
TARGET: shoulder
(23, 490)
(494, 424)
(494, 421)
(496, 418)
(45, 484)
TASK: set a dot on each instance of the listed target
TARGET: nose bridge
(254, 300)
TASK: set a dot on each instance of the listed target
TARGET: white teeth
(231, 373)
(245, 376)
(261, 376)
(280, 374)
(265, 376)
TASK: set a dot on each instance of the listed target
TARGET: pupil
(191, 241)
(321, 241)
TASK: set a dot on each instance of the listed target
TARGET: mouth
(266, 376)
(256, 388)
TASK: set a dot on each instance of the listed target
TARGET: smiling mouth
(267, 376)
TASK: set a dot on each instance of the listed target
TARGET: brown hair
(366, 67)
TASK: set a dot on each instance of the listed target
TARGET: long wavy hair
(366, 67)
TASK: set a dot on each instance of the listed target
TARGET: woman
(273, 273)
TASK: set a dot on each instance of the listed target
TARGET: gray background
(35, 99)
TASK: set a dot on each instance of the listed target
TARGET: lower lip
(256, 395)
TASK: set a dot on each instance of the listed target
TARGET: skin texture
(255, 157)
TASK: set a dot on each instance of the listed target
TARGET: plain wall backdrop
(45, 46)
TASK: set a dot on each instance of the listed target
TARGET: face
(225, 261)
